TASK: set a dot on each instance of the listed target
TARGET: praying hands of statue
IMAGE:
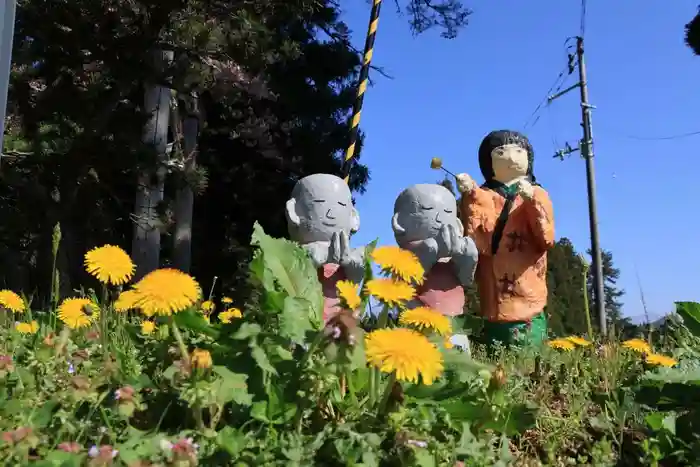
(426, 250)
(462, 250)
(451, 242)
(352, 260)
(318, 252)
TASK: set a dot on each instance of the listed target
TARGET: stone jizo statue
(425, 222)
(321, 218)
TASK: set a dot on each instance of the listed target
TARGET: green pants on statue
(521, 333)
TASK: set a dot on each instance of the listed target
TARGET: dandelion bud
(498, 378)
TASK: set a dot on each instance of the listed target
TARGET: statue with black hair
(511, 220)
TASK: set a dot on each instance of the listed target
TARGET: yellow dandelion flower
(207, 306)
(401, 263)
(448, 342)
(126, 301)
(147, 327)
(227, 300)
(166, 291)
(27, 328)
(561, 344)
(638, 345)
(11, 301)
(78, 313)
(347, 290)
(662, 360)
(229, 315)
(580, 341)
(201, 358)
(109, 264)
(407, 352)
(426, 318)
(390, 291)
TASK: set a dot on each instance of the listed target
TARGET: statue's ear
(291, 212)
(354, 220)
(398, 230)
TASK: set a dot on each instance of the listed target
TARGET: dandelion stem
(384, 403)
(180, 341)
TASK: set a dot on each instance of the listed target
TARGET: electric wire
(553, 89)
(556, 86)
(657, 138)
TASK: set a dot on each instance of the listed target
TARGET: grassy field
(156, 374)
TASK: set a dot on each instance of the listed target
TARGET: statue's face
(323, 204)
(510, 162)
(423, 210)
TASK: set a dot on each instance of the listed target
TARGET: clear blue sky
(447, 94)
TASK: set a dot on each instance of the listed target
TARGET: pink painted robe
(329, 275)
(442, 290)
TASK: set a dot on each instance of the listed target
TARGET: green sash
(521, 333)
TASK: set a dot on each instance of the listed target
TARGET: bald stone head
(321, 204)
(421, 211)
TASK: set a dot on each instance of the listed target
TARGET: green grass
(282, 392)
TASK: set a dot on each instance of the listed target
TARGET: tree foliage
(448, 15)
(692, 33)
(276, 95)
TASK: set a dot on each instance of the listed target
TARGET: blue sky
(447, 94)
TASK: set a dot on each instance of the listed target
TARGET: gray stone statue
(321, 218)
(425, 222)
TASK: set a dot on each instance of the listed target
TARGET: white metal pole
(7, 23)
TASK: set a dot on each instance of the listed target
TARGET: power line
(553, 89)
(661, 138)
(558, 83)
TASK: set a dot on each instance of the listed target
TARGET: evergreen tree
(613, 296)
(692, 33)
(565, 282)
(276, 95)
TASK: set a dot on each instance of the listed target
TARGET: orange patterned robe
(512, 282)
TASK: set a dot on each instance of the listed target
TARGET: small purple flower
(117, 394)
(71, 368)
(93, 451)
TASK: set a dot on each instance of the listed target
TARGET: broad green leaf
(672, 375)
(231, 440)
(660, 420)
(261, 359)
(690, 312)
(425, 458)
(194, 321)
(246, 331)
(294, 320)
(291, 268)
(43, 416)
(231, 387)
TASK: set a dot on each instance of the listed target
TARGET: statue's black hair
(499, 138)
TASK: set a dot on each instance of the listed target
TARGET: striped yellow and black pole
(361, 87)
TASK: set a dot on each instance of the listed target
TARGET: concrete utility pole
(586, 148)
(7, 32)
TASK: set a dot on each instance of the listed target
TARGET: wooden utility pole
(184, 199)
(145, 248)
(7, 33)
(586, 148)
